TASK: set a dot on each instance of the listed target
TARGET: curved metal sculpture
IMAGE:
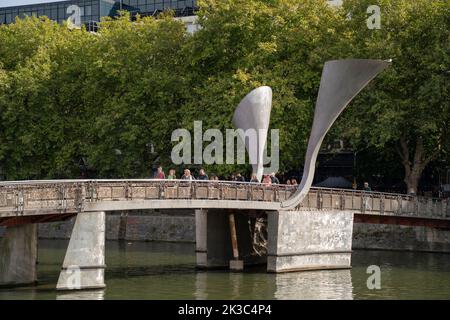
(341, 81)
(253, 113)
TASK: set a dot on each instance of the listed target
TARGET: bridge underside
(403, 221)
(20, 220)
(40, 218)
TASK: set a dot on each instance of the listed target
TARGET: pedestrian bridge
(23, 202)
(293, 228)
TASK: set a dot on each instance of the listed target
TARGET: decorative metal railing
(65, 196)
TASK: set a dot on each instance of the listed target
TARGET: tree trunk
(414, 168)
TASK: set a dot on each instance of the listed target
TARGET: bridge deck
(59, 199)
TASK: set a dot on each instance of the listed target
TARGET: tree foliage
(113, 98)
(408, 108)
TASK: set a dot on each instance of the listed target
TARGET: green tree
(244, 44)
(407, 108)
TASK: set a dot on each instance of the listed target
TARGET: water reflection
(314, 285)
(82, 295)
(257, 284)
(201, 292)
(142, 270)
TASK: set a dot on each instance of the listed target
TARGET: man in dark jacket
(202, 175)
(274, 178)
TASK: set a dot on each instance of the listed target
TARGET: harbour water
(151, 270)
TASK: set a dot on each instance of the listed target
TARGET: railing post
(79, 198)
(363, 202)
(319, 200)
(127, 191)
(61, 198)
(20, 202)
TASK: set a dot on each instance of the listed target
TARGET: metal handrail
(71, 194)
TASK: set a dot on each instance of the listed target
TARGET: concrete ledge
(236, 265)
(304, 262)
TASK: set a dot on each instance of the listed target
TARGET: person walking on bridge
(266, 179)
(274, 178)
(172, 175)
(366, 198)
(187, 175)
(202, 175)
(239, 177)
(160, 173)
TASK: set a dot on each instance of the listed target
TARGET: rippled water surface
(143, 270)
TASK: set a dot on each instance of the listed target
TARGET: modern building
(91, 11)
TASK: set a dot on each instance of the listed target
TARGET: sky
(10, 3)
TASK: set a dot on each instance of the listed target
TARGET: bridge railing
(377, 203)
(71, 195)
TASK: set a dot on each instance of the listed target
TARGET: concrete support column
(309, 240)
(212, 234)
(18, 255)
(84, 263)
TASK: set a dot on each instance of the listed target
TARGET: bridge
(223, 210)
(23, 202)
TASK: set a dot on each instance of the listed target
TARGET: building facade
(91, 11)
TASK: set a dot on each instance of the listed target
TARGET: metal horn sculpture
(253, 112)
(341, 81)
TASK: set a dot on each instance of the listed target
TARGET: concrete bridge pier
(309, 240)
(18, 255)
(84, 263)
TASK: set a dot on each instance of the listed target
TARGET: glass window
(61, 12)
(8, 18)
(95, 10)
(88, 10)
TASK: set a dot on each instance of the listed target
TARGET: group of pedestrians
(186, 175)
(202, 175)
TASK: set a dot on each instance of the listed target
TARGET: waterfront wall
(151, 225)
(395, 237)
(179, 226)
